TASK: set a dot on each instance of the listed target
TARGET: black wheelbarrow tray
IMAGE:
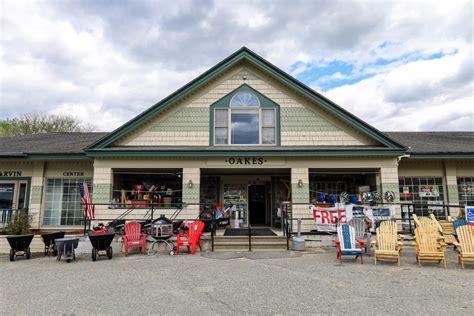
(66, 247)
(49, 244)
(20, 246)
(101, 245)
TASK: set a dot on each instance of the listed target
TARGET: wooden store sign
(249, 161)
(10, 173)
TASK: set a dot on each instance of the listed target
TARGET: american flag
(86, 200)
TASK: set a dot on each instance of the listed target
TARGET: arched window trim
(244, 106)
(224, 104)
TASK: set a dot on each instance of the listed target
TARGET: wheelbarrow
(66, 247)
(20, 246)
(101, 245)
(49, 244)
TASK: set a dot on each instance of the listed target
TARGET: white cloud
(432, 94)
(107, 63)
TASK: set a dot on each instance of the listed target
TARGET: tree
(35, 123)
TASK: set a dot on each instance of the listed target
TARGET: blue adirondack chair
(458, 223)
(347, 244)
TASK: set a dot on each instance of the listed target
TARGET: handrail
(7, 213)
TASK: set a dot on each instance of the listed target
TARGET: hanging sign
(327, 218)
(469, 211)
(428, 191)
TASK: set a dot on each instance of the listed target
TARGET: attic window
(244, 122)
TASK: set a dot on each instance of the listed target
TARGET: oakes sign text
(252, 161)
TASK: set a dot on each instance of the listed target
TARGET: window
(466, 190)
(427, 190)
(244, 122)
(63, 202)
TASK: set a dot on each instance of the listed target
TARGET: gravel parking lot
(222, 283)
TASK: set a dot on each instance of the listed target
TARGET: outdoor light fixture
(190, 184)
(300, 183)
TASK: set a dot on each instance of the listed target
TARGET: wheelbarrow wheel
(94, 254)
(12, 255)
(55, 251)
(110, 252)
(28, 253)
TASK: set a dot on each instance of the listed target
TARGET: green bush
(19, 224)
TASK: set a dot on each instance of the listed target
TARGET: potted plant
(20, 235)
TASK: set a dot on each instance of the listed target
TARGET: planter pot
(20, 246)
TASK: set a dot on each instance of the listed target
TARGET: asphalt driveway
(223, 283)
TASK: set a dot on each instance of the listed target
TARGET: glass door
(236, 195)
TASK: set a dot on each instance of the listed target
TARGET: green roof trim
(251, 57)
(246, 153)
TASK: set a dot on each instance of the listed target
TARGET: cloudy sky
(399, 65)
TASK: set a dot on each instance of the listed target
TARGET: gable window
(243, 121)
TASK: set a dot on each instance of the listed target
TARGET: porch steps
(241, 243)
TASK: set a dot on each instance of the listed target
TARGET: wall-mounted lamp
(190, 184)
(300, 183)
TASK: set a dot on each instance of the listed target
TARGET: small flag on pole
(86, 200)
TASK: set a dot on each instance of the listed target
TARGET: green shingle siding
(299, 119)
(186, 119)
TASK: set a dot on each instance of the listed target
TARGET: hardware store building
(243, 132)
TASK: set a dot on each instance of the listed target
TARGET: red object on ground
(100, 231)
(133, 237)
(191, 237)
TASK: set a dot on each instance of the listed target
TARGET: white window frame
(260, 125)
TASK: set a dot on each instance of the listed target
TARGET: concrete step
(245, 246)
(239, 243)
(254, 238)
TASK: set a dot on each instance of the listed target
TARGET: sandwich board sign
(469, 211)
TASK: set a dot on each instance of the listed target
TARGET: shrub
(19, 224)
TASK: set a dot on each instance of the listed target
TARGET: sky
(398, 65)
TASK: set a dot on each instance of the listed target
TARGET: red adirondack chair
(133, 237)
(191, 238)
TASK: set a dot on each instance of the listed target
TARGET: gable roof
(245, 54)
(58, 144)
(62, 145)
(436, 144)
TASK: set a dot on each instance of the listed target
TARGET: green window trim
(265, 103)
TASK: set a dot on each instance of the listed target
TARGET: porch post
(36, 194)
(389, 182)
(191, 192)
(300, 197)
(452, 194)
(102, 191)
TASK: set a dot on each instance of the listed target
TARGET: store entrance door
(257, 204)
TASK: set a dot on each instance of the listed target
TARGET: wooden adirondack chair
(346, 244)
(465, 246)
(133, 237)
(191, 238)
(388, 243)
(428, 247)
(449, 238)
(360, 233)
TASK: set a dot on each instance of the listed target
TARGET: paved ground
(219, 283)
